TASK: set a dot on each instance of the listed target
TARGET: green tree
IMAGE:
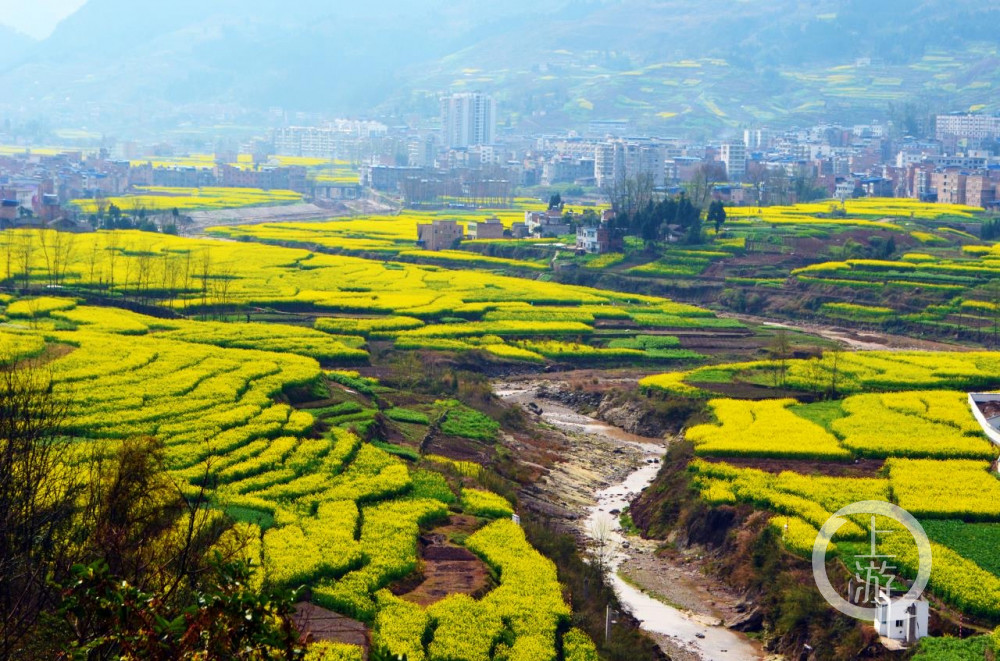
(716, 214)
(223, 619)
(694, 234)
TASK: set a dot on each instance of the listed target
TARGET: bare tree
(834, 371)
(37, 495)
(221, 286)
(187, 269)
(703, 182)
(756, 176)
(25, 248)
(93, 262)
(143, 270)
(57, 250)
(777, 189)
(780, 350)
(132, 511)
(128, 264)
(102, 205)
(205, 274)
(137, 209)
(48, 253)
(815, 373)
(604, 545)
(7, 242)
(170, 270)
(112, 246)
(629, 195)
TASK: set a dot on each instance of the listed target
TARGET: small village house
(439, 235)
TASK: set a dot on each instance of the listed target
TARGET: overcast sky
(36, 17)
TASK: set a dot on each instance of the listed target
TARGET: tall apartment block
(467, 119)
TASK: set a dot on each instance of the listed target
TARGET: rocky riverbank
(603, 469)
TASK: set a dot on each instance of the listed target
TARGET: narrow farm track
(856, 340)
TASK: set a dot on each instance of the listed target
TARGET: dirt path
(604, 468)
(288, 213)
(853, 338)
(446, 568)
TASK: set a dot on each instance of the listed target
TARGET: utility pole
(610, 617)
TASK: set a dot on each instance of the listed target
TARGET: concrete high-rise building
(604, 164)
(758, 139)
(734, 155)
(617, 160)
(467, 119)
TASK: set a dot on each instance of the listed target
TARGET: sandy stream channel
(604, 470)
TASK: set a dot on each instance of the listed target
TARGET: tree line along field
(355, 299)
(906, 412)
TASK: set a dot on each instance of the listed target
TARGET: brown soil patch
(316, 624)
(53, 352)
(458, 524)
(753, 391)
(856, 468)
(405, 434)
(447, 567)
(459, 449)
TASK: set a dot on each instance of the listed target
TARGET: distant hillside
(304, 54)
(715, 63)
(13, 45)
(667, 65)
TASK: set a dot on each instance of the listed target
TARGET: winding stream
(697, 635)
(694, 633)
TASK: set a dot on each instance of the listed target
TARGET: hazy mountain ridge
(663, 63)
(676, 64)
(13, 45)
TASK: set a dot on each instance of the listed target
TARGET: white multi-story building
(734, 156)
(467, 119)
(968, 126)
(604, 164)
(617, 160)
(328, 141)
(758, 139)
(964, 162)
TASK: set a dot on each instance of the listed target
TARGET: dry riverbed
(602, 470)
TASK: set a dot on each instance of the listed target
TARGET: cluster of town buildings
(468, 159)
(957, 161)
(591, 237)
(41, 185)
